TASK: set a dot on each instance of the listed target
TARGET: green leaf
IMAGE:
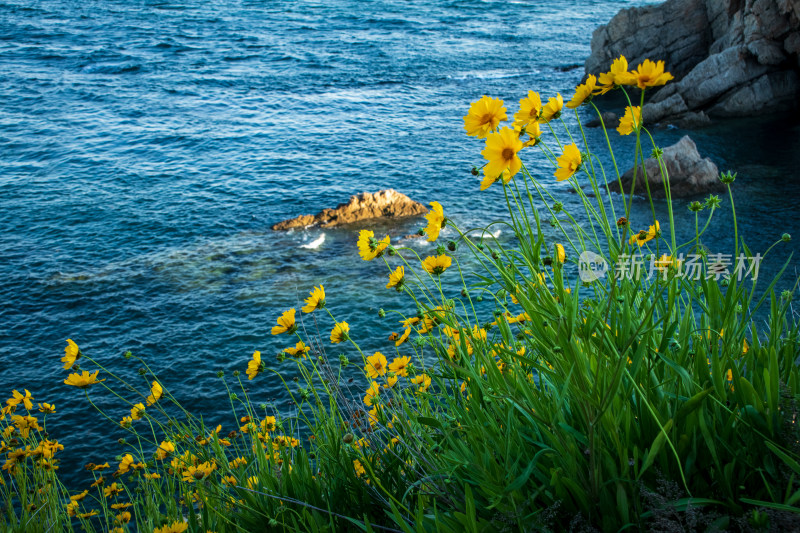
(658, 443)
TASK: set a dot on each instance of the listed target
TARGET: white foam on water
(316, 243)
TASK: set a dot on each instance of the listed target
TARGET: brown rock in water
(730, 58)
(382, 204)
(689, 173)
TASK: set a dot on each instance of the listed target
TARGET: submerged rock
(729, 57)
(689, 173)
(382, 204)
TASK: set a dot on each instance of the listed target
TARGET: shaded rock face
(382, 204)
(689, 173)
(729, 57)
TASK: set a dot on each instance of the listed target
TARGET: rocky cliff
(729, 57)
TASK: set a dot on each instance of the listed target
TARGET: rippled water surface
(146, 147)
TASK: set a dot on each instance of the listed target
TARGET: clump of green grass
(520, 396)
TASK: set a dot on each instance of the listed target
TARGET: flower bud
(236, 373)
(381, 313)
(348, 438)
(622, 222)
(786, 237)
(127, 355)
(452, 246)
(557, 207)
(727, 177)
(220, 374)
(474, 171)
(695, 206)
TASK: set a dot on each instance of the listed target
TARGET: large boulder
(729, 57)
(689, 173)
(382, 204)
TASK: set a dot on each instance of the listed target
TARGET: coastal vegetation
(609, 378)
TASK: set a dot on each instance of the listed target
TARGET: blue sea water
(146, 147)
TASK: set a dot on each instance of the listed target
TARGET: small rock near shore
(689, 173)
(383, 204)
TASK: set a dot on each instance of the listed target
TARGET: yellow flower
(137, 412)
(165, 449)
(123, 518)
(582, 92)
(530, 108)
(112, 490)
(47, 408)
(268, 425)
(316, 300)
(72, 507)
(437, 264)
(126, 422)
(279, 441)
(372, 392)
(436, 221)
(484, 115)
(300, 349)
(175, 527)
(650, 74)
(645, 236)
(561, 256)
(199, 472)
(403, 337)
(71, 354)
(83, 379)
(155, 393)
(125, 464)
(534, 131)
(339, 332)
(376, 365)
(369, 247)
(286, 323)
(400, 366)
(236, 463)
(252, 484)
(552, 109)
(390, 381)
(665, 261)
(254, 366)
(18, 398)
(78, 497)
(397, 278)
(501, 154)
(616, 76)
(568, 163)
(423, 380)
(630, 121)
(359, 468)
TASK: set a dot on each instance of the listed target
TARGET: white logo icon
(591, 266)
